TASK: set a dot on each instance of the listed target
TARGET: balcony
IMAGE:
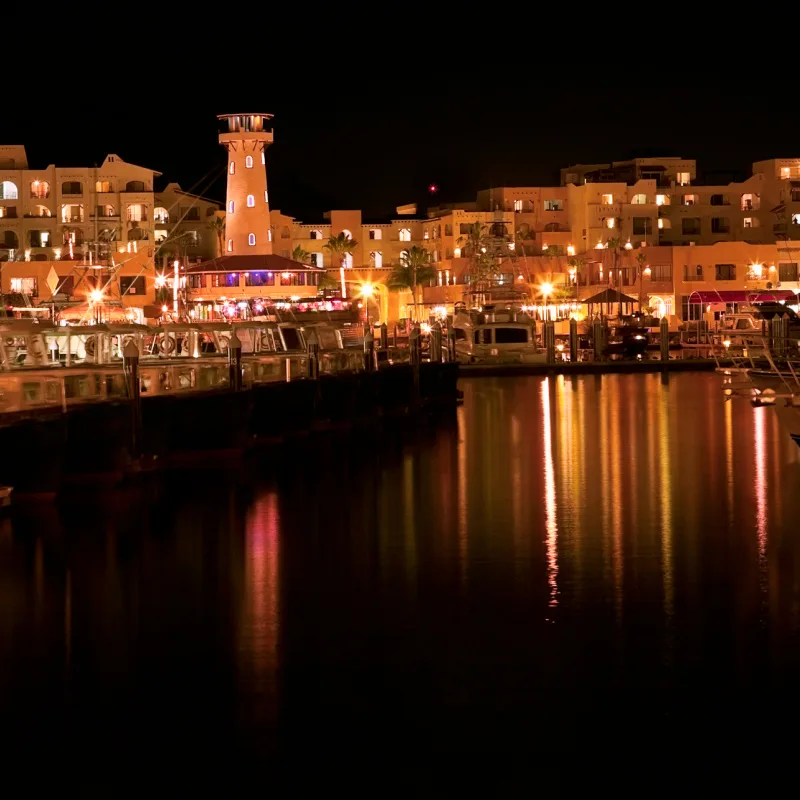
(103, 216)
(72, 220)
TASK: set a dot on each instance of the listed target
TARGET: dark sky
(384, 144)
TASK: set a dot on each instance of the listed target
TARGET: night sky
(385, 144)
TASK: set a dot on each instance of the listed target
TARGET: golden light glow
(610, 222)
(367, 289)
(628, 245)
(457, 252)
(570, 250)
(647, 271)
(546, 289)
(161, 281)
(96, 295)
(164, 309)
(425, 327)
(757, 269)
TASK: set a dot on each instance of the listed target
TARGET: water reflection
(551, 523)
(571, 557)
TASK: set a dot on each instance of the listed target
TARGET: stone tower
(247, 227)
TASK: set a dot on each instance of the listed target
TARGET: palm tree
(413, 270)
(340, 246)
(300, 255)
(477, 250)
(575, 266)
(217, 224)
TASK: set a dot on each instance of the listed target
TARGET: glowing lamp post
(175, 279)
(96, 299)
(546, 289)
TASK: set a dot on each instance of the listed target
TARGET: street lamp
(546, 289)
(95, 299)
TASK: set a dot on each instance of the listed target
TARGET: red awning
(741, 296)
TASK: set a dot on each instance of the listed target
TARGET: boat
(496, 336)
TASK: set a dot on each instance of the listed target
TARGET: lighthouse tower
(247, 227)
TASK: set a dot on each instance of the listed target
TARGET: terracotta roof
(271, 263)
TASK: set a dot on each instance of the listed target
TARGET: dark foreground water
(573, 564)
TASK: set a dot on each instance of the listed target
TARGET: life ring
(265, 343)
(35, 348)
(224, 341)
(126, 340)
(166, 344)
(90, 346)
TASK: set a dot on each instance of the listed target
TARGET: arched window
(315, 235)
(103, 186)
(405, 235)
(248, 162)
(348, 260)
(40, 190)
(8, 191)
(232, 167)
(639, 200)
(72, 237)
(404, 256)
(376, 259)
(251, 239)
(230, 245)
(231, 206)
(285, 233)
(9, 241)
(135, 186)
(347, 234)
(251, 201)
(161, 215)
(42, 211)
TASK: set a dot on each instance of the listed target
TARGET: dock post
(369, 351)
(550, 341)
(597, 339)
(130, 366)
(235, 362)
(312, 346)
(384, 336)
(415, 354)
(573, 340)
(663, 329)
(451, 344)
(777, 335)
(785, 333)
(436, 342)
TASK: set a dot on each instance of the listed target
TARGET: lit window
(251, 239)
(232, 167)
(690, 199)
(248, 162)
(40, 189)
(266, 196)
(230, 245)
(405, 235)
(639, 199)
(518, 205)
(251, 201)
(160, 214)
(231, 206)
(375, 233)
(8, 191)
(136, 212)
(269, 235)
(263, 157)
(553, 205)
(748, 222)
(684, 178)
(662, 199)
(608, 199)
(610, 222)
